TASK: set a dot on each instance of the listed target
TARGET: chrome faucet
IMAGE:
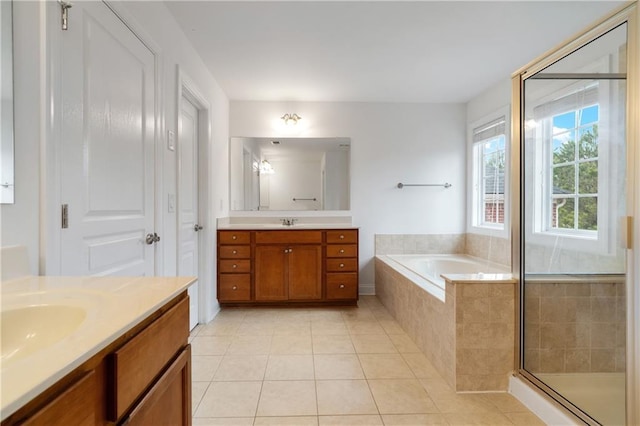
(289, 221)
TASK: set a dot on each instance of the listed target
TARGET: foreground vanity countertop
(100, 309)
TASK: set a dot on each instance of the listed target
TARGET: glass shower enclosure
(572, 248)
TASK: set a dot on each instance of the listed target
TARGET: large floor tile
(250, 345)
(421, 366)
(288, 398)
(230, 399)
(332, 344)
(414, 419)
(291, 345)
(506, 403)
(385, 366)
(390, 326)
(401, 396)
(451, 402)
(373, 344)
(344, 397)
(524, 419)
(197, 392)
(256, 328)
(480, 419)
(222, 421)
(241, 367)
(364, 327)
(289, 328)
(403, 343)
(203, 367)
(220, 328)
(332, 328)
(337, 366)
(357, 420)
(286, 421)
(210, 345)
(290, 367)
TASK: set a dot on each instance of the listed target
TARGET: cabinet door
(270, 273)
(305, 272)
(168, 402)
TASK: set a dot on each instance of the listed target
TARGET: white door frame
(51, 137)
(187, 88)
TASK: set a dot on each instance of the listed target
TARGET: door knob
(197, 227)
(152, 238)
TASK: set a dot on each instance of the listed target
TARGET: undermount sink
(28, 329)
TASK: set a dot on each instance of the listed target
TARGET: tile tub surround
(469, 338)
(328, 366)
(575, 327)
(494, 249)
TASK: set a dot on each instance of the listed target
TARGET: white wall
(390, 143)
(21, 222)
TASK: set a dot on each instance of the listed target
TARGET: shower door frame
(629, 13)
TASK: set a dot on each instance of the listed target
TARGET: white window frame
(599, 241)
(474, 199)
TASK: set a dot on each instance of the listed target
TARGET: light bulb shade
(266, 168)
(291, 119)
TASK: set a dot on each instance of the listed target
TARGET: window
(489, 167)
(574, 170)
(571, 165)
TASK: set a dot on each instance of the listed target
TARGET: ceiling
(361, 51)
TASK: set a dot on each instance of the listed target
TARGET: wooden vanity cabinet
(291, 266)
(142, 378)
(234, 266)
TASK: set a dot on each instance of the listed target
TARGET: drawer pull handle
(342, 265)
(235, 287)
(341, 285)
(235, 252)
(341, 250)
(234, 266)
(341, 237)
(234, 238)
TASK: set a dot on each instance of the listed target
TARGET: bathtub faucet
(289, 222)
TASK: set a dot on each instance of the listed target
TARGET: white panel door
(188, 228)
(107, 150)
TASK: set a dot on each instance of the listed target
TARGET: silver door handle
(152, 238)
(197, 227)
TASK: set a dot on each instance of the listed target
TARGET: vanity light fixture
(266, 168)
(291, 119)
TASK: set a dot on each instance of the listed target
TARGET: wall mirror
(6, 108)
(282, 174)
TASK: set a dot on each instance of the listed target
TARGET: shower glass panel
(573, 198)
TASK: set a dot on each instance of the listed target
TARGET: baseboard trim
(367, 289)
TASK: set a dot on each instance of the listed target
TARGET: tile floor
(327, 366)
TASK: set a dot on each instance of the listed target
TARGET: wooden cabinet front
(271, 278)
(287, 266)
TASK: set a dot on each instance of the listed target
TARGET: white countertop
(113, 306)
(279, 226)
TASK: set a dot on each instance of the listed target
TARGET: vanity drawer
(342, 250)
(342, 265)
(139, 361)
(234, 287)
(239, 266)
(342, 286)
(342, 236)
(234, 237)
(234, 252)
